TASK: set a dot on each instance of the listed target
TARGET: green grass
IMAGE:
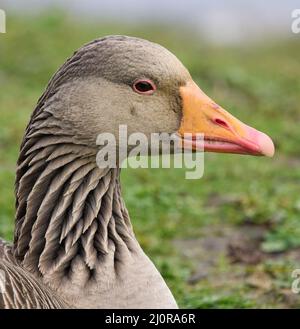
(260, 85)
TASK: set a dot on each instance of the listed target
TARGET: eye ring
(144, 86)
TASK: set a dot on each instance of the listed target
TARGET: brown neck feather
(66, 206)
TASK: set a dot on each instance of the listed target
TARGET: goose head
(70, 217)
(121, 80)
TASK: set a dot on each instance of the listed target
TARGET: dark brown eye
(144, 86)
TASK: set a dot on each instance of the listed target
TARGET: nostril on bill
(221, 123)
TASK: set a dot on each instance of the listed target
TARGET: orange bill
(222, 131)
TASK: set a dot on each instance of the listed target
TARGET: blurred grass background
(231, 239)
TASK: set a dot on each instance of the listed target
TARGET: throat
(72, 228)
(69, 212)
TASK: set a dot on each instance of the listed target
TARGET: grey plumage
(74, 245)
(20, 288)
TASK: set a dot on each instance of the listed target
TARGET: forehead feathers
(122, 59)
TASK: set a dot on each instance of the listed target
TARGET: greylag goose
(74, 246)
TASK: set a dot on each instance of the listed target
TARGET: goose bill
(222, 131)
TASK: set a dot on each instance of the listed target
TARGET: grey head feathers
(70, 216)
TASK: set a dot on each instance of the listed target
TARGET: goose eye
(144, 86)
